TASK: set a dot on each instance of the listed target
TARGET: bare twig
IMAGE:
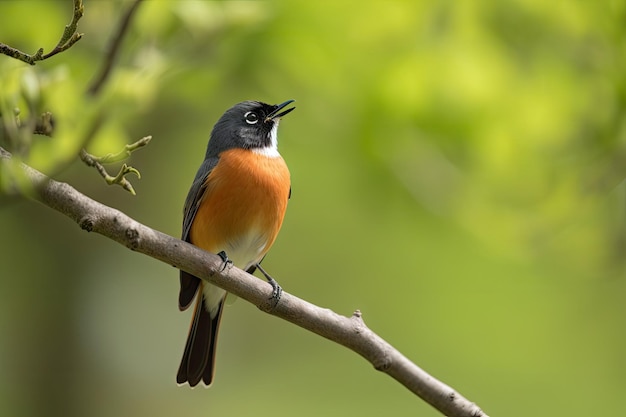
(68, 38)
(111, 158)
(347, 331)
(98, 162)
(22, 56)
(113, 49)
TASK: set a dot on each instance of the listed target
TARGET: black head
(247, 125)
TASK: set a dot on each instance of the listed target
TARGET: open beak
(277, 108)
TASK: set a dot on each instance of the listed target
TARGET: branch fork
(69, 37)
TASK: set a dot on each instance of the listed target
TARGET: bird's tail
(198, 363)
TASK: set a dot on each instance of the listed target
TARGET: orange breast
(243, 206)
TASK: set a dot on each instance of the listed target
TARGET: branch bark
(350, 332)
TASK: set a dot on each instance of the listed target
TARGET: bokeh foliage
(457, 175)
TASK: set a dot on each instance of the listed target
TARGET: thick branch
(350, 332)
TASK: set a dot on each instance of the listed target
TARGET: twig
(68, 38)
(111, 158)
(350, 332)
(98, 162)
(113, 49)
(22, 56)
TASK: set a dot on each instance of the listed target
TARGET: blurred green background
(457, 174)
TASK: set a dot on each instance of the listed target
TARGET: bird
(235, 208)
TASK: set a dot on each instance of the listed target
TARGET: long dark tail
(198, 363)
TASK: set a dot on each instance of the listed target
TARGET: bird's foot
(225, 261)
(277, 291)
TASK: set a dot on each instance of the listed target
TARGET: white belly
(243, 252)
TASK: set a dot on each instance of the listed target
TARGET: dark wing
(194, 197)
(189, 283)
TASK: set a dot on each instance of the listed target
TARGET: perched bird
(235, 208)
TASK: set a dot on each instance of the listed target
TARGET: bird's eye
(251, 118)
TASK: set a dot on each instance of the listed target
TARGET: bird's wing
(189, 283)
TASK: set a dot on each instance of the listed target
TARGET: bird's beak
(277, 108)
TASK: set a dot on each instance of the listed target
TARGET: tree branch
(98, 163)
(113, 49)
(68, 38)
(350, 332)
